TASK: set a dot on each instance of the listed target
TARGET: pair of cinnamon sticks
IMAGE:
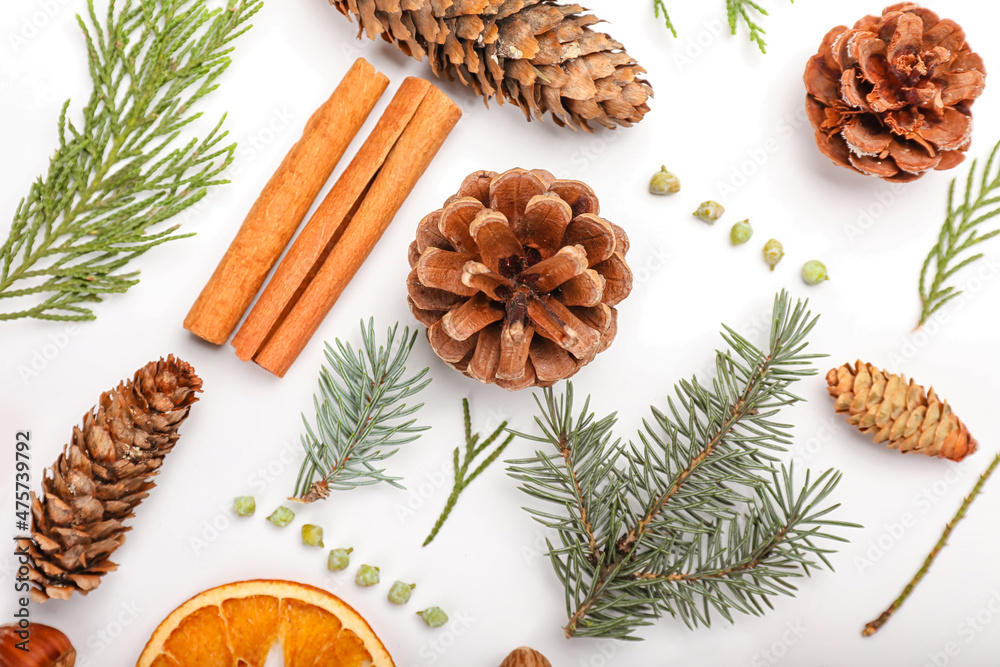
(342, 232)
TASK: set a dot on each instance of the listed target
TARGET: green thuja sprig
(660, 6)
(698, 518)
(361, 417)
(750, 12)
(746, 11)
(960, 233)
(126, 169)
(463, 479)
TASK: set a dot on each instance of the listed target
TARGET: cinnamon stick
(405, 164)
(316, 240)
(283, 204)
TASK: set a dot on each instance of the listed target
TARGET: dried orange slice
(237, 624)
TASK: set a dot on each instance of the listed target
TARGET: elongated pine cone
(517, 277)
(539, 54)
(893, 96)
(103, 474)
(898, 412)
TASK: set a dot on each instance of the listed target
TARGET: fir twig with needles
(361, 417)
(698, 517)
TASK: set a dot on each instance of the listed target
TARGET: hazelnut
(525, 657)
(46, 647)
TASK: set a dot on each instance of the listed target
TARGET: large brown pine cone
(538, 54)
(517, 277)
(893, 96)
(102, 475)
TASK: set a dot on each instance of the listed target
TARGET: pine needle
(463, 479)
(960, 233)
(697, 518)
(130, 166)
(361, 419)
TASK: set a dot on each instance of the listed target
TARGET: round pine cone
(893, 96)
(517, 277)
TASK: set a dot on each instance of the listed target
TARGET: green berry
(434, 617)
(281, 517)
(339, 559)
(367, 576)
(244, 505)
(710, 211)
(400, 592)
(312, 535)
(814, 272)
(741, 232)
(773, 252)
(664, 183)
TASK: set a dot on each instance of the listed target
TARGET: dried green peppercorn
(339, 559)
(664, 183)
(281, 517)
(400, 592)
(367, 576)
(244, 505)
(773, 252)
(312, 535)
(741, 232)
(814, 272)
(434, 617)
(709, 211)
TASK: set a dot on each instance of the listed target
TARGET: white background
(724, 115)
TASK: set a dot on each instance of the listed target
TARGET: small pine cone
(893, 96)
(517, 277)
(898, 412)
(525, 657)
(101, 477)
(539, 54)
